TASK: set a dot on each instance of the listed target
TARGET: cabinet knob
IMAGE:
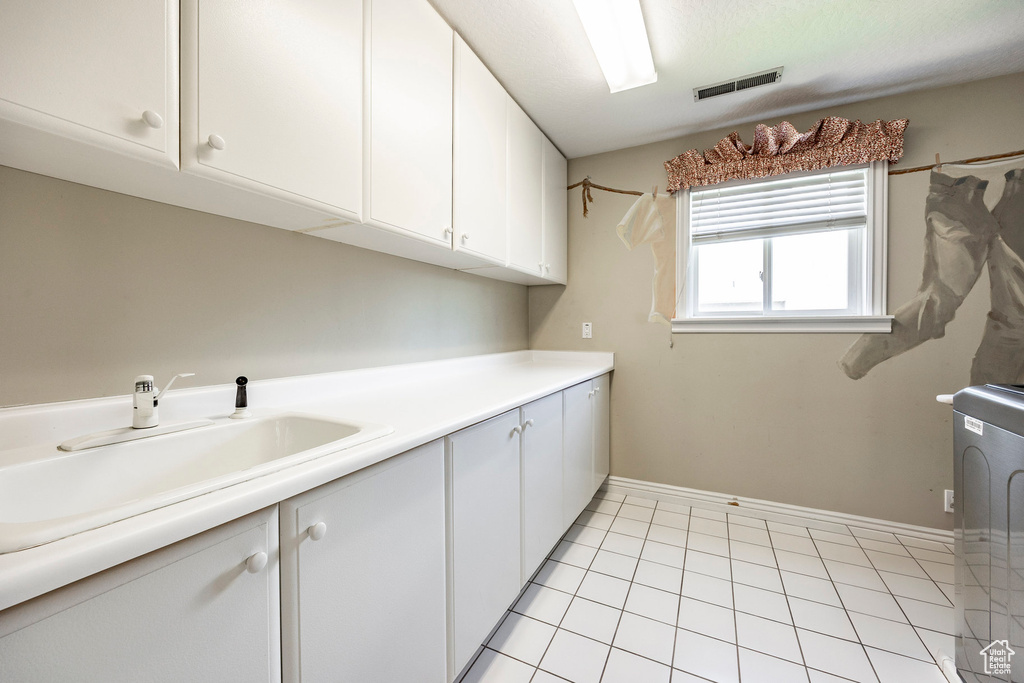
(216, 141)
(590, 394)
(597, 389)
(152, 119)
(317, 531)
(540, 267)
(256, 562)
(448, 230)
(518, 429)
(528, 423)
(465, 237)
(547, 267)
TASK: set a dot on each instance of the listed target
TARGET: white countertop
(421, 401)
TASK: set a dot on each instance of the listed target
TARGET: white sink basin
(46, 499)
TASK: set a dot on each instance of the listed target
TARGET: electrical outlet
(588, 331)
(949, 500)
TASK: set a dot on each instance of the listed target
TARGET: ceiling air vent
(735, 85)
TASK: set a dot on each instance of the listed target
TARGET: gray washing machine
(989, 532)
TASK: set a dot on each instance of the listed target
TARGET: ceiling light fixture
(618, 35)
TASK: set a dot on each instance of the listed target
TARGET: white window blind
(774, 208)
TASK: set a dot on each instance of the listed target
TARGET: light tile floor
(641, 591)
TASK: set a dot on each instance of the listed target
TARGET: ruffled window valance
(832, 141)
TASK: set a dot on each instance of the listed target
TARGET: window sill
(810, 324)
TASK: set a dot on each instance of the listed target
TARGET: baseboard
(767, 509)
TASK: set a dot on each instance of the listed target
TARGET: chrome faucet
(146, 400)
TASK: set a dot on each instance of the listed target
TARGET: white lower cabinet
(484, 531)
(586, 463)
(543, 522)
(204, 609)
(363, 574)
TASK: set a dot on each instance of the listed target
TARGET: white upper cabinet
(480, 151)
(272, 95)
(524, 191)
(555, 214)
(104, 73)
(410, 111)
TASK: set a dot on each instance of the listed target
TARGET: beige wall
(97, 287)
(771, 416)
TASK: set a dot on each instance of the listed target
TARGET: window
(802, 252)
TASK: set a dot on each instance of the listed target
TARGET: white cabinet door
(543, 519)
(523, 208)
(555, 214)
(480, 151)
(363, 595)
(92, 70)
(410, 177)
(190, 612)
(484, 539)
(578, 471)
(602, 450)
(272, 97)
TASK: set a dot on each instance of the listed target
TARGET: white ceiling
(833, 51)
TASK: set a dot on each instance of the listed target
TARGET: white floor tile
(928, 615)
(768, 637)
(801, 564)
(744, 520)
(938, 642)
(875, 603)
(683, 677)
(597, 520)
(931, 555)
(810, 588)
(835, 656)
(543, 603)
(662, 553)
(563, 577)
(706, 563)
(910, 587)
(884, 547)
(890, 636)
(645, 637)
(710, 527)
(938, 571)
(793, 544)
(790, 529)
(893, 668)
(641, 514)
(576, 658)
(626, 667)
(575, 554)
(949, 590)
(630, 527)
(671, 519)
(674, 507)
(622, 544)
(855, 575)
(842, 553)
(706, 657)
(816, 677)
(707, 619)
(666, 534)
(924, 544)
(544, 677)
(882, 536)
(603, 505)
(610, 495)
(749, 534)
(523, 638)
(896, 564)
(814, 616)
(833, 537)
(707, 514)
(653, 604)
(607, 590)
(613, 564)
(708, 544)
(759, 668)
(757, 575)
(585, 535)
(659, 576)
(708, 589)
(750, 552)
(767, 604)
(591, 619)
(642, 502)
(493, 667)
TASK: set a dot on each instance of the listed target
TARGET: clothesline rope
(587, 184)
(974, 160)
